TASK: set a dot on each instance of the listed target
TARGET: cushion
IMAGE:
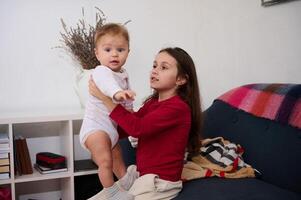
(233, 189)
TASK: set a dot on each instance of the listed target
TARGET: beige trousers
(151, 187)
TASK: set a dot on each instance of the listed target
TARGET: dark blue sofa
(272, 148)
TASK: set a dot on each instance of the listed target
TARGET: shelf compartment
(54, 189)
(51, 136)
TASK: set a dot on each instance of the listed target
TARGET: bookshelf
(55, 132)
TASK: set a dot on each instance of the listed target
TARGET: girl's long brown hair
(190, 93)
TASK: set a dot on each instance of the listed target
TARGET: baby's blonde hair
(112, 29)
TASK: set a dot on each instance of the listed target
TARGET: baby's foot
(129, 178)
(112, 193)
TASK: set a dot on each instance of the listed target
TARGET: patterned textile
(278, 102)
(220, 158)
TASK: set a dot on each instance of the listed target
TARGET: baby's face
(112, 51)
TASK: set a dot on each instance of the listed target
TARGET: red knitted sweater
(163, 129)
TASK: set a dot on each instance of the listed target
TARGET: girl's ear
(181, 80)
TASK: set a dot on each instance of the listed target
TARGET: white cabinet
(57, 133)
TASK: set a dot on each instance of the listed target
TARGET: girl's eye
(120, 49)
(163, 67)
(154, 66)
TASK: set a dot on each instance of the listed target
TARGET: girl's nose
(154, 71)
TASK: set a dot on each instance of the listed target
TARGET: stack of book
(22, 157)
(4, 156)
(48, 170)
(47, 162)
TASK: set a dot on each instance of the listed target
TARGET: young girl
(167, 124)
(98, 132)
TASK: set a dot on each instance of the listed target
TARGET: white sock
(129, 178)
(112, 193)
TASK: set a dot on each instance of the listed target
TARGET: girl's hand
(95, 91)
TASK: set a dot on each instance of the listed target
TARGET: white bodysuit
(96, 114)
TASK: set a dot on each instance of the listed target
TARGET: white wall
(233, 42)
(241, 42)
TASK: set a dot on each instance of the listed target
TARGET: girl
(168, 122)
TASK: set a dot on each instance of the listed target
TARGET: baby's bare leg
(119, 168)
(99, 144)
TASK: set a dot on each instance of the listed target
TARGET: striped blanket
(218, 157)
(278, 102)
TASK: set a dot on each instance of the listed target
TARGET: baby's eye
(120, 49)
(154, 66)
(107, 49)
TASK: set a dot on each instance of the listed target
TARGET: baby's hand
(124, 95)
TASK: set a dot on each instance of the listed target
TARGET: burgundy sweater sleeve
(151, 123)
(122, 133)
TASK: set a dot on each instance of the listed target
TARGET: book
(18, 169)
(4, 176)
(4, 155)
(4, 147)
(20, 159)
(45, 170)
(4, 161)
(28, 165)
(23, 158)
(4, 169)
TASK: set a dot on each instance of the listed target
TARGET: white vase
(82, 85)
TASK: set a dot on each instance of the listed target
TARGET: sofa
(272, 146)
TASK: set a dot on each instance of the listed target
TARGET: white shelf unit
(57, 133)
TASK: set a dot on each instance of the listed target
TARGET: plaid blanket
(278, 102)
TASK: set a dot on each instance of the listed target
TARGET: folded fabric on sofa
(278, 102)
(218, 157)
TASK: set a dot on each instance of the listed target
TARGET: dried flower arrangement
(79, 40)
